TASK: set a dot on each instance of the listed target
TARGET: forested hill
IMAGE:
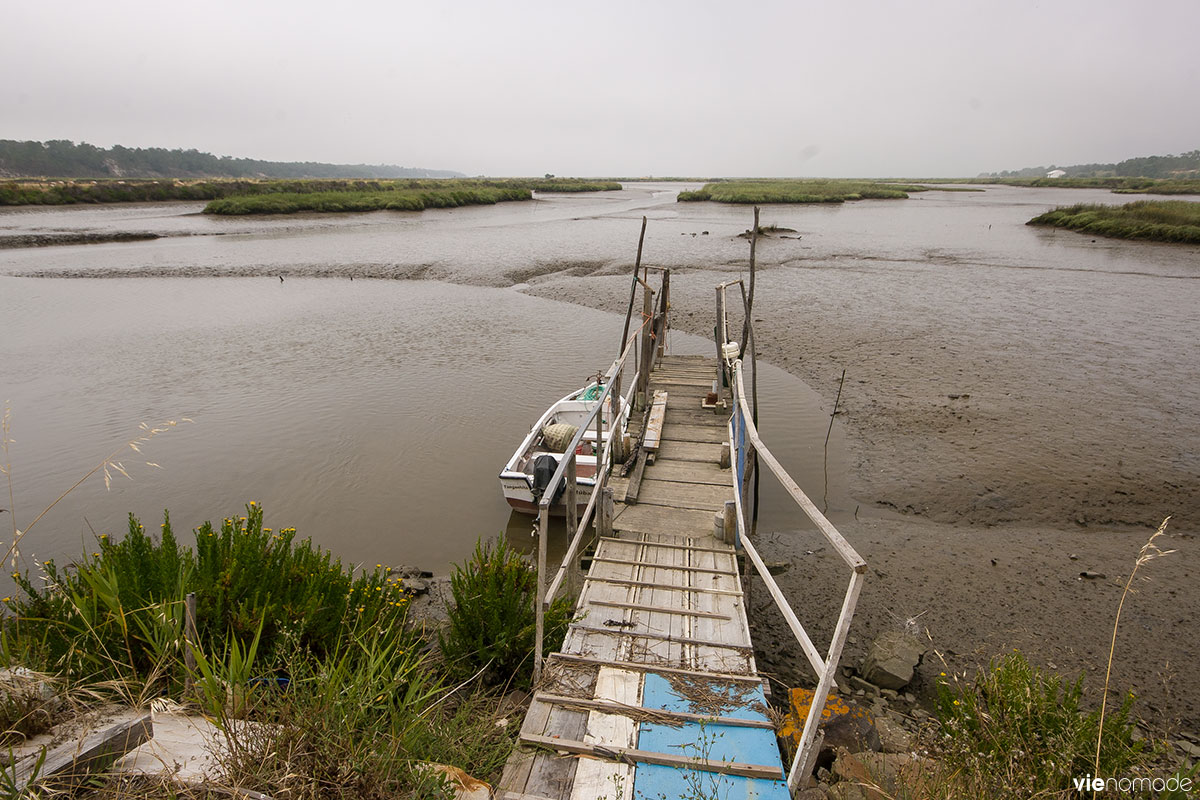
(1184, 165)
(63, 159)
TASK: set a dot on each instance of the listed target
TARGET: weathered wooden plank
(650, 584)
(685, 358)
(654, 422)
(633, 487)
(656, 519)
(550, 775)
(621, 708)
(707, 434)
(670, 545)
(660, 609)
(615, 688)
(666, 759)
(693, 414)
(608, 560)
(720, 582)
(678, 494)
(515, 774)
(667, 637)
(690, 451)
(70, 763)
(664, 668)
(667, 469)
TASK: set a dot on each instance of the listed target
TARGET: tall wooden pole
(637, 265)
(750, 295)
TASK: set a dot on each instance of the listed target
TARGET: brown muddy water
(374, 414)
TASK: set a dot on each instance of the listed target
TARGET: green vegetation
(352, 698)
(290, 196)
(1016, 731)
(1116, 184)
(402, 200)
(798, 191)
(1183, 166)
(64, 159)
(250, 583)
(492, 624)
(1153, 220)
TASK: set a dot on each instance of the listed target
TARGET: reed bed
(798, 191)
(1118, 185)
(1150, 220)
(464, 191)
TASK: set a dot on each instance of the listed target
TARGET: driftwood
(71, 763)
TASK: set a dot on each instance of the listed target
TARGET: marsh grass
(798, 191)
(388, 200)
(436, 192)
(117, 613)
(1118, 185)
(1151, 220)
(1149, 552)
(309, 668)
(1018, 731)
(1021, 731)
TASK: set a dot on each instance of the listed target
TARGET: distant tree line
(60, 158)
(1184, 165)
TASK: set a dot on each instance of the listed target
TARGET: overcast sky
(912, 88)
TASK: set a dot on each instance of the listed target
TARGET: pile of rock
(871, 727)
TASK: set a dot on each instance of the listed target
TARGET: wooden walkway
(655, 693)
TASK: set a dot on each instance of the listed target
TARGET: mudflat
(996, 459)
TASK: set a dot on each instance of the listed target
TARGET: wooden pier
(655, 691)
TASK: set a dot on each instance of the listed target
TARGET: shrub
(492, 623)
(118, 612)
(1017, 731)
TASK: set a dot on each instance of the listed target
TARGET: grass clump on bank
(436, 192)
(400, 200)
(798, 191)
(397, 195)
(1118, 185)
(1150, 220)
(1016, 731)
(312, 670)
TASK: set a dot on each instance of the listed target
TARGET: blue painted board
(706, 740)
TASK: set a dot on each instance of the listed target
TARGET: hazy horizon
(873, 89)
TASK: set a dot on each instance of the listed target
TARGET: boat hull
(519, 495)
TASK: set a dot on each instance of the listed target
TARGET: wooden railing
(652, 332)
(747, 449)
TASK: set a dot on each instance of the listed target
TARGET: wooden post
(540, 616)
(647, 329)
(571, 501)
(190, 641)
(604, 513)
(637, 265)
(599, 446)
(730, 522)
(664, 303)
(750, 295)
(719, 335)
(617, 430)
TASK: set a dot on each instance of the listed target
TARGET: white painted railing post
(540, 614)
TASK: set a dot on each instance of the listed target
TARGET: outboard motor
(544, 467)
